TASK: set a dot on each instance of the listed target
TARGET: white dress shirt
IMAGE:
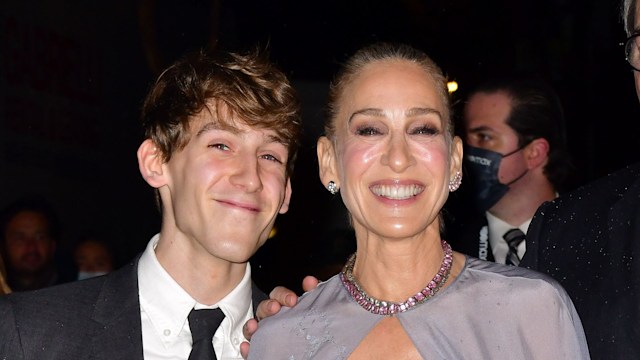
(164, 307)
(497, 229)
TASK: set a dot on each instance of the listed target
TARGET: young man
(515, 159)
(222, 131)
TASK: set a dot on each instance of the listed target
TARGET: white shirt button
(236, 341)
(166, 332)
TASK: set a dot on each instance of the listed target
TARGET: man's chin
(240, 256)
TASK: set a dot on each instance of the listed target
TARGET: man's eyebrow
(479, 129)
(271, 138)
(216, 126)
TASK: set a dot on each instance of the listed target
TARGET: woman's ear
(537, 153)
(327, 162)
(456, 156)
(150, 163)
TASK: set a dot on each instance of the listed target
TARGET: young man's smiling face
(224, 189)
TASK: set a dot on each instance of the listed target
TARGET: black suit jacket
(93, 319)
(589, 240)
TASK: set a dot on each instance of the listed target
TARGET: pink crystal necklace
(381, 307)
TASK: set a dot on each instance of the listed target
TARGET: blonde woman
(390, 153)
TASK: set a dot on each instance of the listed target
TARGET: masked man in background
(515, 159)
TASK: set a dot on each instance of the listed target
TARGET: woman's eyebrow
(368, 111)
(422, 111)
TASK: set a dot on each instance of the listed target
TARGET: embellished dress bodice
(489, 311)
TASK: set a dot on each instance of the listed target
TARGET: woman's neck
(394, 269)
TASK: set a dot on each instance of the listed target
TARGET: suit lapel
(117, 316)
(117, 312)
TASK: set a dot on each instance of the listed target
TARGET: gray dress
(489, 311)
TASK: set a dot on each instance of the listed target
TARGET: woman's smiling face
(390, 151)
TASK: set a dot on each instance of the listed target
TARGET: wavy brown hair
(246, 87)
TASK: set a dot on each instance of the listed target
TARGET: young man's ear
(287, 198)
(150, 164)
(537, 153)
(327, 162)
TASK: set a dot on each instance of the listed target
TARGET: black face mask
(483, 166)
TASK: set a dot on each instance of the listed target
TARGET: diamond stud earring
(332, 187)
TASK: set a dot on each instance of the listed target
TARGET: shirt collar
(498, 227)
(168, 305)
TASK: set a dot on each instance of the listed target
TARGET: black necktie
(203, 324)
(513, 237)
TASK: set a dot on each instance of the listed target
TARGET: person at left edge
(222, 131)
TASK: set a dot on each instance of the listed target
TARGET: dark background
(73, 75)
